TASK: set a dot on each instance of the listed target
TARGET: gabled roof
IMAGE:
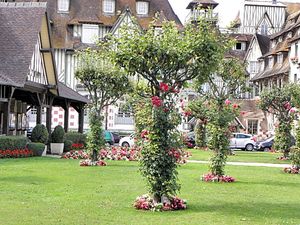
(263, 42)
(20, 24)
(91, 12)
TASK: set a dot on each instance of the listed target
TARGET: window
(264, 28)
(296, 49)
(63, 5)
(271, 62)
(142, 8)
(252, 126)
(295, 78)
(253, 67)
(280, 59)
(89, 33)
(238, 46)
(109, 6)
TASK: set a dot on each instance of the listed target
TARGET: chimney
(274, 2)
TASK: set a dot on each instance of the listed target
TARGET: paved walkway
(246, 164)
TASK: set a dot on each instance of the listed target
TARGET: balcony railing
(196, 15)
(120, 120)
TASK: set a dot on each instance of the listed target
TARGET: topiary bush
(76, 137)
(36, 148)
(295, 157)
(58, 135)
(40, 134)
(13, 142)
(67, 145)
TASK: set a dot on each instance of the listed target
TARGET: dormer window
(109, 6)
(290, 34)
(142, 8)
(273, 43)
(271, 62)
(264, 29)
(280, 39)
(63, 5)
(280, 58)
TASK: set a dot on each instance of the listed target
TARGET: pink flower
(235, 106)
(293, 110)
(187, 113)
(287, 105)
(227, 102)
(163, 86)
(144, 133)
(156, 101)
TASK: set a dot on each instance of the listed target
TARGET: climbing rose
(227, 102)
(235, 106)
(287, 105)
(156, 101)
(163, 86)
(144, 133)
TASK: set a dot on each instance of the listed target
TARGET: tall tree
(166, 59)
(279, 102)
(106, 83)
(226, 83)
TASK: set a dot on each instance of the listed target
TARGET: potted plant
(39, 138)
(57, 140)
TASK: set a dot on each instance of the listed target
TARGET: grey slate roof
(20, 24)
(69, 93)
(264, 43)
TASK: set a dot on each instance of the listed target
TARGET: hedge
(76, 137)
(37, 148)
(13, 142)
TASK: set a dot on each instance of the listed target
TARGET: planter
(45, 151)
(37, 148)
(57, 148)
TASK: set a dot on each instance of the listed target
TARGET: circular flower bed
(292, 170)
(73, 154)
(89, 162)
(215, 178)
(146, 202)
(120, 153)
(16, 153)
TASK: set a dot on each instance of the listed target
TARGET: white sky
(227, 9)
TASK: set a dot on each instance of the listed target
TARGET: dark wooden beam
(81, 119)
(49, 113)
(66, 118)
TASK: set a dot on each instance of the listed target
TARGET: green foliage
(295, 156)
(278, 101)
(95, 139)
(165, 61)
(40, 134)
(13, 142)
(200, 133)
(76, 137)
(68, 145)
(37, 148)
(106, 82)
(298, 135)
(58, 135)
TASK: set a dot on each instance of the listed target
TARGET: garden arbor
(166, 59)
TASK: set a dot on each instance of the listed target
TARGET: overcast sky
(227, 9)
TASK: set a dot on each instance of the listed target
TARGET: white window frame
(89, 38)
(270, 62)
(109, 6)
(280, 58)
(63, 5)
(254, 67)
(142, 7)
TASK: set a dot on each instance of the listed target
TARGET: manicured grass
(52, 191)
(241, 156)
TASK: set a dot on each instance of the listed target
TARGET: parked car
(189, 140)
(127, 141)
(109, 137)
(116, 137)
(242, 141)
(264, 145)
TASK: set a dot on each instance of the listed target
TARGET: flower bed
(120, 153)
(292, 170)
(89, 162)
(81, 154)
(215, 178)
(17, 153)
(283, 158)
(146, 202)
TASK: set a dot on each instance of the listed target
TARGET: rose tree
(106, 83)
(165, 59)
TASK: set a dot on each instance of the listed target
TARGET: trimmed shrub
(67, 145)
(76, 137)
(39, 134)
(37, 148)
(13, 142)
(58, 135)
(295, 157)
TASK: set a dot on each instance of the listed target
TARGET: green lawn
(52, 191)
(241, 156)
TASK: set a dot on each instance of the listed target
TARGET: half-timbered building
(27, 70)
